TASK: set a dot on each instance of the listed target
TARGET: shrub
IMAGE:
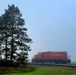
(15, 69)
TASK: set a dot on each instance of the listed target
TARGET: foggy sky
(51, 24)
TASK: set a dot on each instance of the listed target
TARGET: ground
(49, 70)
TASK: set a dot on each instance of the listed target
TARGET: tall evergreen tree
(13, 36)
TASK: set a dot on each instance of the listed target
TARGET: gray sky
(51, 24)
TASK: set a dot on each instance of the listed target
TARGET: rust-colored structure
(56, 57)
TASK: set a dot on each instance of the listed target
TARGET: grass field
(49, 70)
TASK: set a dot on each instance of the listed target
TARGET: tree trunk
(12, 46)
(6, 48)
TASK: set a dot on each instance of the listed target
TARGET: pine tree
(13, 36)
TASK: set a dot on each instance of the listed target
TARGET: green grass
(49, 70)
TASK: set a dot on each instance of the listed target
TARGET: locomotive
(51, 57)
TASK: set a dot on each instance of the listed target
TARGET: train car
(51, 57)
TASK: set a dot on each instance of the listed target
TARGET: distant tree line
(13, 38)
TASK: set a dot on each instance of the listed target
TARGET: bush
(4, 70)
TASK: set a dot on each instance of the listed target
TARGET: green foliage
(49, 70)
(13, 37)
(5, 70)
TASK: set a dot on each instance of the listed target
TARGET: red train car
(56, 57)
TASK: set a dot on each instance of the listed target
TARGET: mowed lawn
(49, 70)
